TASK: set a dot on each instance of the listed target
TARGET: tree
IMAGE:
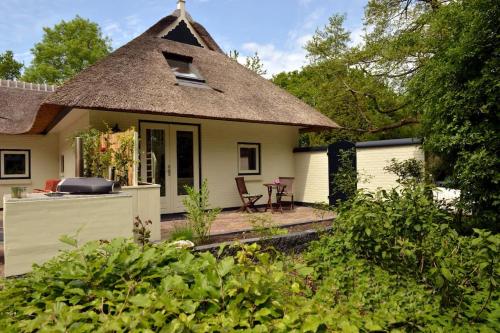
(253, 63)
(65, 50)
(10, 69)
(365, 105)
(458, 91)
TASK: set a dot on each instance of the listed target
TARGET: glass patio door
(170, 158)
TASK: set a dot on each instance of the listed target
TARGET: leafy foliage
(200, 216)
(393, 263)
(459, 94)
(96, 153)
(451, 279)
(410, 170)
(117, 286)
(253, 62)
(10, 69)
(142, 233)
(104, 151)
(345, 180)
(182, 233)
(65, 50)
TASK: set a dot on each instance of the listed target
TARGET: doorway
(170, 158)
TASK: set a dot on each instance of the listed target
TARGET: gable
(182, 34)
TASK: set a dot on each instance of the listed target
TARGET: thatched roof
(137, 78)
(19, 104)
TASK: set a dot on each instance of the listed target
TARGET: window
(15, 164)
(183, 69)
(249, 158)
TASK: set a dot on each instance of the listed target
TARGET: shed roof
(137, 78)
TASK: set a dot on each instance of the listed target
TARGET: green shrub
(182, 233)
(116, 286)
(200, 216)
(404, 232)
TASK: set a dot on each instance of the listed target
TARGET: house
(201, 114)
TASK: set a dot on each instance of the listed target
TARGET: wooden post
(79, 157)
(135, 167)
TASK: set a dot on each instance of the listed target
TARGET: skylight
(183, 68)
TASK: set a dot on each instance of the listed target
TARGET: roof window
(183, 69)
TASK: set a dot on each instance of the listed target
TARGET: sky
(276, 29)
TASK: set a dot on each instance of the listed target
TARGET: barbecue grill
(88, 186)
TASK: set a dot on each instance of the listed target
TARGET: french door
(170, 158)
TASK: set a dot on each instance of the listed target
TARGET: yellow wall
(311, 178)
(219, 141)
(372, 161)
(44, 159)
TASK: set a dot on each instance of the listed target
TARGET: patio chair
(285, 189)
(247, 199)
(50, 186)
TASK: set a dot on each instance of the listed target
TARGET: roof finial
(181, 5)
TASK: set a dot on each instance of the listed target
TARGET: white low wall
(33, 226)
(371, 162)
(311, 176)
(146, 206)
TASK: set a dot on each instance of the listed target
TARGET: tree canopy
(458, 91)
(65, 50)
(253, 62)
(10, 69)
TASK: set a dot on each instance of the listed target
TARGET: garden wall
(373, 156)
(311, 175)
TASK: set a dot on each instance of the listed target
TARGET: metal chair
(285, 189)
(247, 199)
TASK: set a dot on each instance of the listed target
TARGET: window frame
(181, 77)
(256, 145)
(27, 156)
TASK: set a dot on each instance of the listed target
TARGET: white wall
(44, 160)
(371, 162)
(219, 141)
(311, 177)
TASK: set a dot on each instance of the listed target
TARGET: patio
(235, 221)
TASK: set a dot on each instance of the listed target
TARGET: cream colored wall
(311, 177)
(44, 160)
(219, 141)
(75, 121)
(146, 206)
(372, 161)
(33, 226)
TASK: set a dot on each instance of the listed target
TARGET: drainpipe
(78, 157)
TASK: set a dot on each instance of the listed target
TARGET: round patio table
(270, 187)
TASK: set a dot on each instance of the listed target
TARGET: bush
(404, 232)
(182, 233)
(200, 217)
(116, 286)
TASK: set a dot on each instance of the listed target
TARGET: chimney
(181, 5)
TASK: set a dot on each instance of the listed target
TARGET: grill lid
(87, 186)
